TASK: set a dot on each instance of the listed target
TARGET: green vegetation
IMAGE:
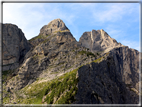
(64, 31)
(37, 57)
(61, 63)
(61, 31)
(38, 37)
(6, 99)
(98, 60)
(107, 53)
(57, 91)
(45, 41)
(6, 75)
(87, 53)
(128, 85)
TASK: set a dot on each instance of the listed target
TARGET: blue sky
(119, 20)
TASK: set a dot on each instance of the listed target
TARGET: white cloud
(113, 12)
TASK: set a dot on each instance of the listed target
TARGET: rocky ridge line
(55, 52)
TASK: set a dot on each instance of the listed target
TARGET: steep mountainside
(56, 53)
(59, 70)
(110, 79)
(15, 46)
(98, 41)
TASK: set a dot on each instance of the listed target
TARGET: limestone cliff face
(98, 41)
(113, 79)
(15, 46)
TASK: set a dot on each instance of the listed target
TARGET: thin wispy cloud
(131, 44)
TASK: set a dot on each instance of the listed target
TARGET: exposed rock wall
(98, 40)
(15, 46)
(114, 80)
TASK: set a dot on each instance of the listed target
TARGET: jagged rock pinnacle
(98, 41)
(53, 27)
(55, 30)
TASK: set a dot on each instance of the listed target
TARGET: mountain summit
(53, 27)
(53, 68)
(98, 40)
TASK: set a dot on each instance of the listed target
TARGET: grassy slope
(57, 91)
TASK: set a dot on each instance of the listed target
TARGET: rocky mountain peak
(55, 31)
(98, 40)
(53, 27)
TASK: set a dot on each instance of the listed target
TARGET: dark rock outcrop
(15, 46)
(114, 80)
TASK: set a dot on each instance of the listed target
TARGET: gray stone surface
(15, 46)
(98, 40)
(53, 27)
(112, 81)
